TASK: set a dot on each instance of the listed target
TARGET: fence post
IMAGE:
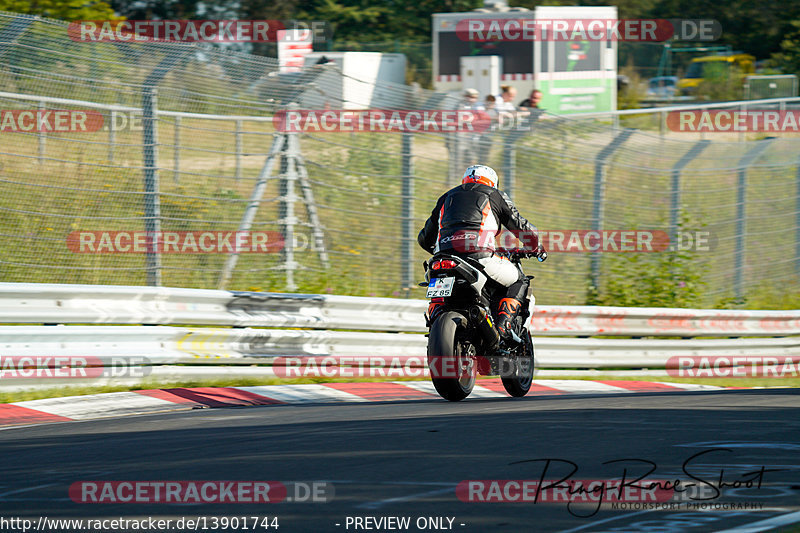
(598, 209)
(112, 133)
(509, 163)
(42, 135)
(741, 226)
(797, 222)
(238, 148)
(743, 112)
(456, 167)
(409, 236)
(152, 206)
(675, 193)
(176, 154)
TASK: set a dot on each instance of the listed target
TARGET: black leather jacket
(467, 218)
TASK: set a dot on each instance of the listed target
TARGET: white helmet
(480, 174)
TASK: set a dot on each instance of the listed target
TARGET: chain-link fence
(179, 140)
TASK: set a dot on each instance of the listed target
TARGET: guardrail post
(287, 219)
(598, 209)
(238, 148)
(675, 192)
(42, 135)
(409, 236)
(176, 152)
(741, 226)
(152, 205)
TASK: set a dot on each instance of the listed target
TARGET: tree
(61, 9)
(788, 59)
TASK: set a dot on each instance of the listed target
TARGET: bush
(671, 278)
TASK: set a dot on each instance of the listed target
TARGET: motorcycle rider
(466, 220)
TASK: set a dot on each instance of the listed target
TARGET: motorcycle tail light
(437, 300)
(447, 263)
(435, 265)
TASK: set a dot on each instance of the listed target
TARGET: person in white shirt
(505, 101)
(465, 142)
(470, 101)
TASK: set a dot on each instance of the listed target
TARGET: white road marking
(303, 393)
(100, 405)
(580, 386)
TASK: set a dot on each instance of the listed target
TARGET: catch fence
(187, 144)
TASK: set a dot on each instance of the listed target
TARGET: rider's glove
(540, 253)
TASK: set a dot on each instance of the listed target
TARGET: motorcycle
(462, 339)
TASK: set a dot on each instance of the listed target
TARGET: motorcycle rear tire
(449, 349)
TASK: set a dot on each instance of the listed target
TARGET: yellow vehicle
(702, 68)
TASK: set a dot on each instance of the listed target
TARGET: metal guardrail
(158, 345)
(42, 303)
(151, 326)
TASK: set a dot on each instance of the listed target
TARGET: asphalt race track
(405, 459)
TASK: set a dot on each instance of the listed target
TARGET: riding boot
(508, 311)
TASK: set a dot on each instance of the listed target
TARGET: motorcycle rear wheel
(452, 358)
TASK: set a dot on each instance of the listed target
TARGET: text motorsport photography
(637, 488)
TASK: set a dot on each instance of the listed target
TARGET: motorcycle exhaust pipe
(486, 329)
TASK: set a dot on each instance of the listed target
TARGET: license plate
(440, 287)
